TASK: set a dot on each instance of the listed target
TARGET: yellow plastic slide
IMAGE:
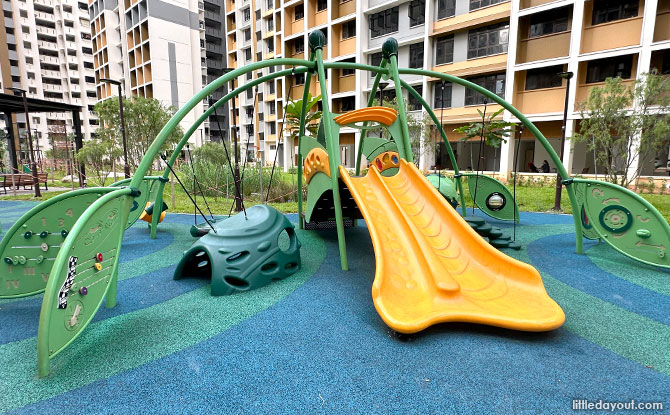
(432, 267)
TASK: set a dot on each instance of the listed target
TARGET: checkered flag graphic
(71, 272)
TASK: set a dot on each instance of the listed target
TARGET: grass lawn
(529, 199)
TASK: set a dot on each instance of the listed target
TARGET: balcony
(213, 32)
(343, 8)
(583, 90)
(466, 114)
(52, 88)
(49, 59)
(216, 16)
(44, 16)
(342, 84)
(662, 28)
(43, 44)
(612, 35)
(540, 101)
(214, 48)
(51, 74)
(525, 4)
(486, 15)
(539, 48)
(486, 64)
(46, 30)
(47, 3)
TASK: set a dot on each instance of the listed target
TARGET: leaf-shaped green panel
(83, 272)
(493, 197)
(627, 222)
(587, 227)
(30, 246)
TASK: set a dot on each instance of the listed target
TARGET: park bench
(22, 179)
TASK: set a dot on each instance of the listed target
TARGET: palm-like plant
(312, 118)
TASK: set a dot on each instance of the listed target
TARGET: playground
(385, 293)
(314, 343)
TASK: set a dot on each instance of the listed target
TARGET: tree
(97, 155)
(623, 123)
(493, 131)
(312, 118)
(144, 119)
(419, 136)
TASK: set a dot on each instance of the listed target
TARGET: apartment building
(162, 50)
(513, 48)
(46, 50)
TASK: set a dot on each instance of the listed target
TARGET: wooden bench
(22, 179)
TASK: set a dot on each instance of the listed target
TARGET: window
(23, 13)
(321, 5)
(250, 113)
(271, 25)
(375, 60)
(543, 78)
(270, 45)
(249, 76)
(299, 79)
(89, 79)
(413, 103)
(29, 60)
(553, 21)
(82, 6)
(257, 13)
(27, 45)
(348, 104)
(86, 36)
(31, 75)
(489, 40)
(417, 12)
(665, 68)
(250, 93)
(25, 29)
(250, 129)
(494, 83)
(384, 22)
(416, 55)
(325, 38)
(599, 70)
(348, 29)
(478, 4)
(444, 51)
(610, 10)
(247, 54)
(247, 14)
(247, 34)
(88, 51)
(271, 88)
(90, 94)
(299, 12)
(88, 65)
(299, 45)
(273, 128)
(442, 96)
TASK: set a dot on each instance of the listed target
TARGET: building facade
(513, 48)
(167, 50)
(46, 50)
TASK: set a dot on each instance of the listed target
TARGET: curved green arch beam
(318, 64)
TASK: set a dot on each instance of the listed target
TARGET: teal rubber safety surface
(313, 342)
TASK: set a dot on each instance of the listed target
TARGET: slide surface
(431, 267)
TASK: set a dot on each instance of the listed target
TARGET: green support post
(371, 100)
(303, 114)
(316, 42)
(390, 48)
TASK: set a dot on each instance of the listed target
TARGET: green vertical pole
(371, 99)
(316, 42)
(390, 50)
(452, 157)
(301, 132)
(158, 204)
